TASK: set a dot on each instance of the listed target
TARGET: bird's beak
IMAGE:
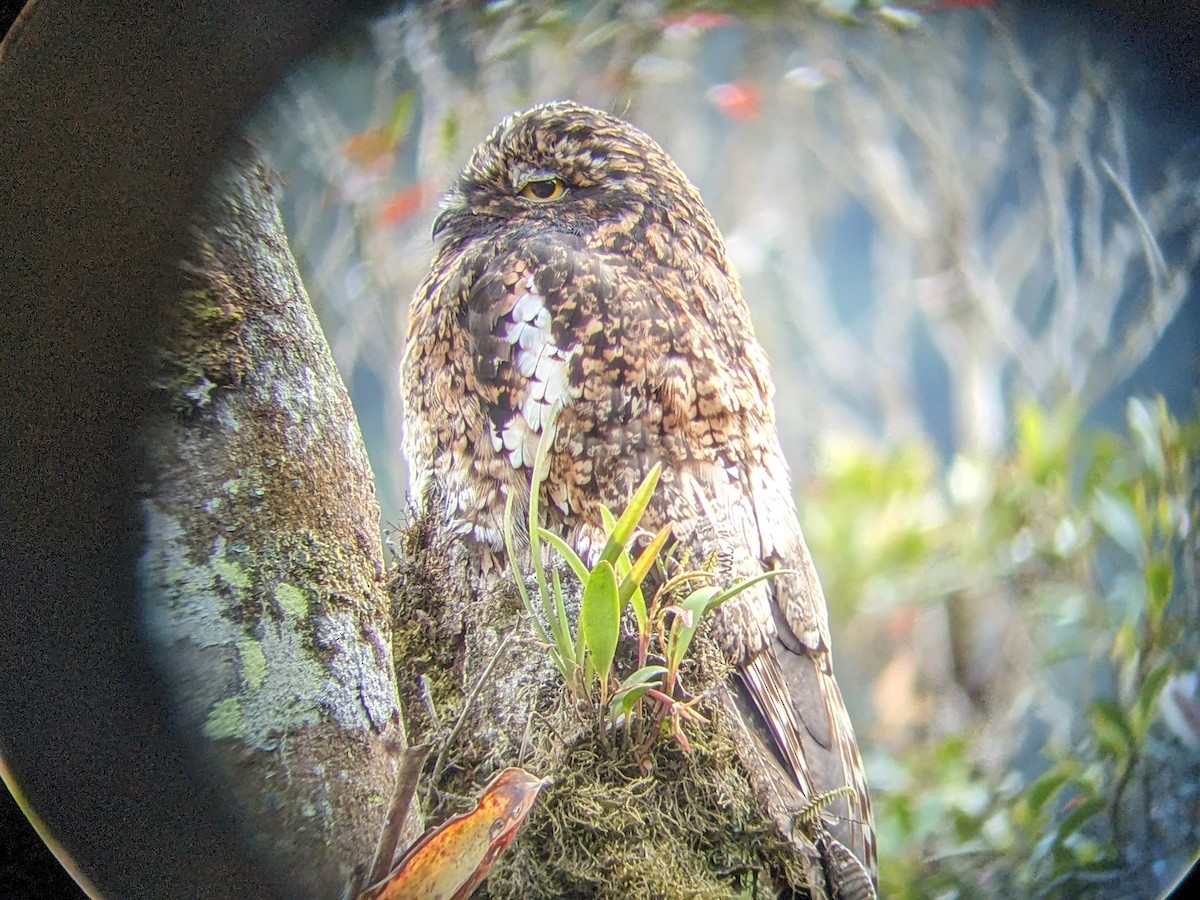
(440, 222)
(454, 206)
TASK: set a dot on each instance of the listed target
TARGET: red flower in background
(404, 205)
(696, 22)
(739, 100)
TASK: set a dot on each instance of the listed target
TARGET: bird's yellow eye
(544, 190)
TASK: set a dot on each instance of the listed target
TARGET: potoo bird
(581, 293)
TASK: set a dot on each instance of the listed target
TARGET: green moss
(678, 825)
(231, 573)
(292, 600)
(417, 590)
(203, 351)
(613, 823)
(225, 720)
(254, 662)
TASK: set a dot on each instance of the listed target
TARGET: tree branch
(263, 575)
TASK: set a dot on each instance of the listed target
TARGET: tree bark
(263, 574)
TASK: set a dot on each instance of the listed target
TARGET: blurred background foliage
(1030, 654)
(967, 233)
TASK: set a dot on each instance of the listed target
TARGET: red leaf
(371, 150)
(739, 100)
(403, 205)
(695, 22)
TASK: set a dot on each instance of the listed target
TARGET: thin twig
(427, 700)
(407, 775)
(440, 762)
(1054, 192)
(525, 736)
(1156, 265)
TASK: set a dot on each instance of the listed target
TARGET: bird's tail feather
(802, 707)
(833, 758)
(768, 691)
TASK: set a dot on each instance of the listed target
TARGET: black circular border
(110, 114)
(109, 117)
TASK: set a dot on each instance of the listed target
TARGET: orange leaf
(371, 150)
(403, 205)
(451, 860)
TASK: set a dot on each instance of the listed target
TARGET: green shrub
(1053, 773)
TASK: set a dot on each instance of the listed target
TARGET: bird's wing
(719, 386)
(556, 331)
(486, 363)
(522, 354)
(790, 681)
(802, 654)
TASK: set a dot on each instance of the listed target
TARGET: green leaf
(1045, 440)
(600, 617)
(538, 630)
(622, 564)
(1112, 728)
(624, 702)
(1046, 788)
(579, 650)
(1119, 519)
(1125, 643)
(541, 466)
(1105, 865)
(449, 133)
(562, 629)
(1147, 699)
(686, 621)
(1031, 437)
(743, 585)
(634, 687)
(899, 19)
(700, 603)
(1078, 817)
(541, 459)
(567, 552)
(646, 675)
(1160, 576)
(1143, 421)
(625, 526)
(644, 563)
(638, 602)
(401, 115)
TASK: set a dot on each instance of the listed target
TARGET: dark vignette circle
(109, 118)
(110, 115)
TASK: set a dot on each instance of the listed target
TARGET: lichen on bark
(262, 577)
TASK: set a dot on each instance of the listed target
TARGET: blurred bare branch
(1053, 293)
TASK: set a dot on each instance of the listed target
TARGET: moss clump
(676, 824)
(667, 824)
(205, 351)
(417, 589)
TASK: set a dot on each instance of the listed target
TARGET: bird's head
(576, 170)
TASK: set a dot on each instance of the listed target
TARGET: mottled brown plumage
(578, 271)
